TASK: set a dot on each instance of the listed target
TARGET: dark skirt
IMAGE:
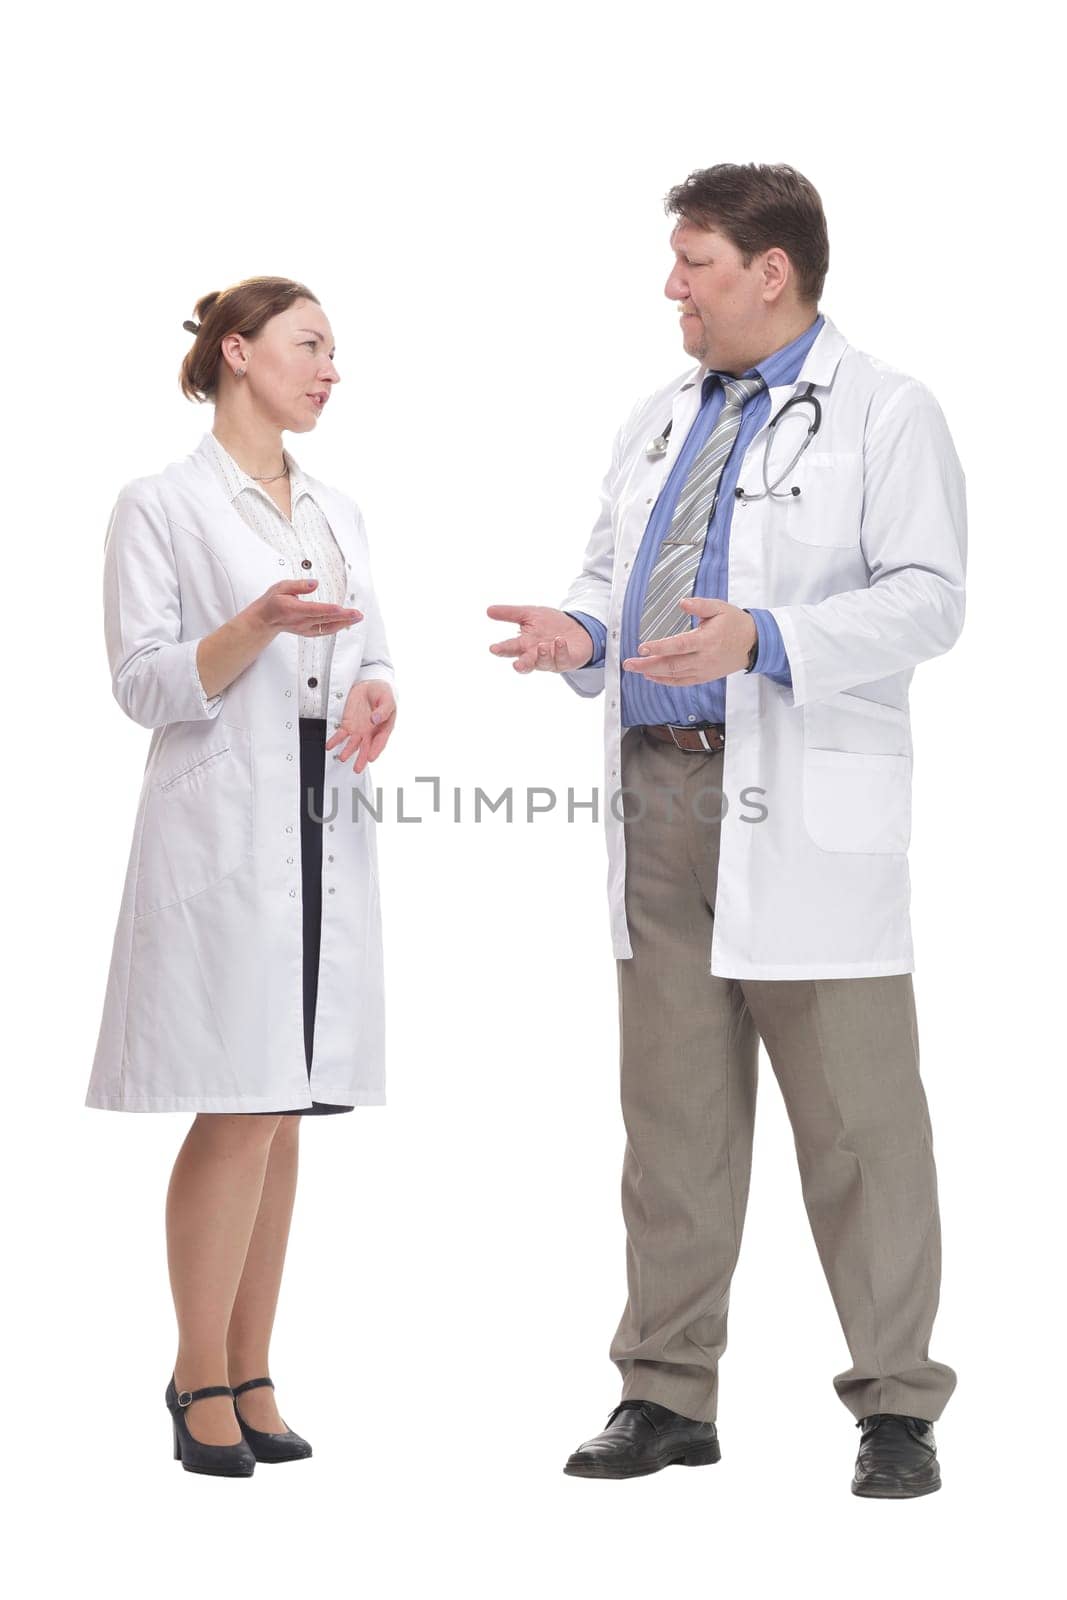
(312, 784)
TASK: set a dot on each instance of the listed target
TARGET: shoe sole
(702, 1456)
(894, 1491)
(274, 1461)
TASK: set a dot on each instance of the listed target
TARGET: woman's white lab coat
(203, 1009)
(864, 573)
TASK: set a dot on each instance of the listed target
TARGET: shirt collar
(781, 366)
(236, 479)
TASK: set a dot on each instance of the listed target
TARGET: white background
(475, 195)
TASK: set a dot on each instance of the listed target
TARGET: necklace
(252, 475)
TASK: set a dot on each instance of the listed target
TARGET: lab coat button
(289, 757)
(313, 683)
(288, 692)
(288, 724)
(306, 564)
(289, 859)
(281, 561)
(292, 894)
(330, 889)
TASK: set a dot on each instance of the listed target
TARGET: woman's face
(289, 366)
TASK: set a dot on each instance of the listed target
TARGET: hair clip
(193, 327)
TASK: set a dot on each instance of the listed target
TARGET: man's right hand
(547, 640)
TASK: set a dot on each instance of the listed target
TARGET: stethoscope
(657, 447)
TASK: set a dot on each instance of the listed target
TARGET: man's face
(720, 301)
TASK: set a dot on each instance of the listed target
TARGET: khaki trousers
(846, 1055)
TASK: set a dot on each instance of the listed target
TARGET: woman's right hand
(282, 611)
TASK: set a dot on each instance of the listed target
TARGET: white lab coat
(204, 1003)
(864, 574)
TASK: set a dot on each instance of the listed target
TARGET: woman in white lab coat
(246, 973)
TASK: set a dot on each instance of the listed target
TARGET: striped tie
(678, 559)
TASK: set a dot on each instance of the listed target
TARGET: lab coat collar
(200, 475)
(236, 479)
(821, 361)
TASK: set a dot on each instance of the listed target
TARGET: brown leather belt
(709, 736)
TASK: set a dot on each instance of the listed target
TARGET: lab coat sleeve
(591, 589)
(913, 534)
(377, 662)
(154, 675)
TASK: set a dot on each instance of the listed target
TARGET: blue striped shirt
(646, 702)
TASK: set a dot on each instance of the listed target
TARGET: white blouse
(307, 544)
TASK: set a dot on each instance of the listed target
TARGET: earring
(238, 372)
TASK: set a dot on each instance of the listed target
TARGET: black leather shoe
(897, 1457)
(287, 1446)
(640, 1437)
(220, 1460)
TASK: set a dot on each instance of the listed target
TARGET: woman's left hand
(367, 721)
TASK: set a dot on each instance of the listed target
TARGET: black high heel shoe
(287, 1446)
(221, 1460)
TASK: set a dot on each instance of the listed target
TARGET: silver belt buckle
(711, 748)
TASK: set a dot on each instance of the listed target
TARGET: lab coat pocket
(849, 722)
(857, 801)
(828, 509)
(857, 774)
(198, 815)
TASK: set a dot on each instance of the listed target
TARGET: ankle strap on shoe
(187, 1396)
(254, 1383)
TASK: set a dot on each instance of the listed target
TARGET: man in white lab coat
(782, 539)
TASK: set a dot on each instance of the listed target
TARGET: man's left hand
(367, 721)
(718, 645)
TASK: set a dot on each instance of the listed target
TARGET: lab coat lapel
(648, 476)
(202, 482)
